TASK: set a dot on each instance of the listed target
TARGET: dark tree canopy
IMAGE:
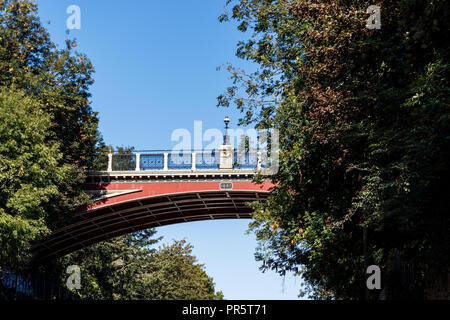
(130, 268)
(363, 116)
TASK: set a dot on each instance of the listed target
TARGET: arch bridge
(141, 190)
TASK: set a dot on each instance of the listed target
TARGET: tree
(129, 268)
(364, 135)
(173, 274)
(59, 78)
(57, 81)
(29, 176)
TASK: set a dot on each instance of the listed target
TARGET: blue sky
(156, 72)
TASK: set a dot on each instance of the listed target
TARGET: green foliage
(50, 135)
(48, 138)
(29, 175)
(129, 268)
(173, 274)
(58, 78)
(364, 129)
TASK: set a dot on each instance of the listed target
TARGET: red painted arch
(145, 190)
(148, 205)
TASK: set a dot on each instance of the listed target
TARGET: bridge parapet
(201, 160)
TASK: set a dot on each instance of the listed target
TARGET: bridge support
(166, 161)
(226, 156)
(138, 162)
(109, 162)
(194, 156)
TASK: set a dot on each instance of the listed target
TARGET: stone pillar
(166, 161)
(109, 162)
(226, 156)
(138, 162)
(194, 156)
(258, 165)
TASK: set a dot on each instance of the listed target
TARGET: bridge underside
(117, 219)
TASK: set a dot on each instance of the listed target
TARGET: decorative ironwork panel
(100, 162)
(124, 162)
(180, 161)
(152, 161)
(245, 160)
(207, 160)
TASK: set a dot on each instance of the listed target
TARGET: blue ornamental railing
(183, 160)
(209, 160)
(152, 161)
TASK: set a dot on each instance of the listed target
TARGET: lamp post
(226, 137)
(226, 150)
